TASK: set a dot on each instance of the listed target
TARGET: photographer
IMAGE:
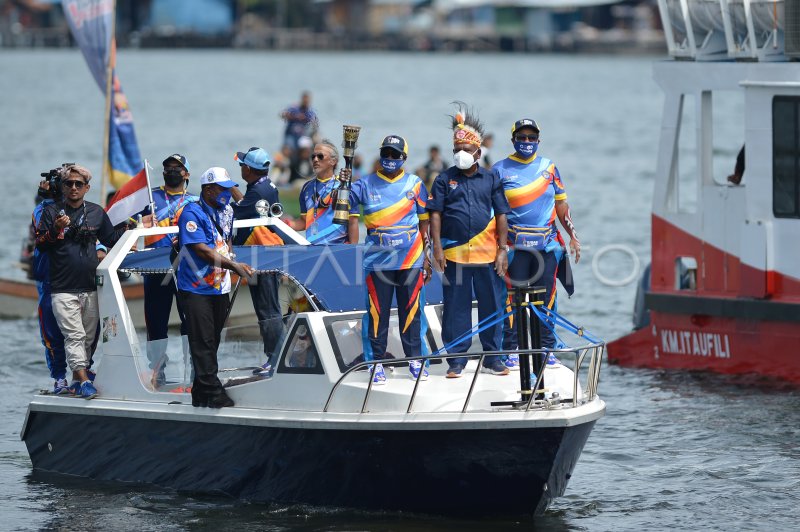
(68, 232)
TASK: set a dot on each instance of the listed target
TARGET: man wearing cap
(68, 232)
(160, 289)
(204, 282)
(468, 229)
(536, 195)
(317, 198)
(254, 164)
(394, 214)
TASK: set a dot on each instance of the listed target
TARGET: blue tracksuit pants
(460, 282)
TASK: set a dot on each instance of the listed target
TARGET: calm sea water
(675, 450)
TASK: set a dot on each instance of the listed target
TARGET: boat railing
(586, 359)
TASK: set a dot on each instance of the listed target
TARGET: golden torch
(341, 210)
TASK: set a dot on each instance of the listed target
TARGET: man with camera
(68, 232)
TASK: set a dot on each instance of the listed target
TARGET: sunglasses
(389, 153)
(73, 184)
(317, 156)
(526, 138)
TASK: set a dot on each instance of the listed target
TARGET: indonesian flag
(129, 200)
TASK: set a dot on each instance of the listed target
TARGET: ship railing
(587, 360)
(711, 30)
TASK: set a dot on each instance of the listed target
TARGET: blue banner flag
(92, 25)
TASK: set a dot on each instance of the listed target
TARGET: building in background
(450, 25)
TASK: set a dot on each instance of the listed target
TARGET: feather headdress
(467, 127)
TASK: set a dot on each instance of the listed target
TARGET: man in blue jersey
(468, 229)
(394, 214)
(160, 290)
(317, 198)
(254, 165)
(536, 194)
(301, 121)
(204, 283)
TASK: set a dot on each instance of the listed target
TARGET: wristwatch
(504, 247)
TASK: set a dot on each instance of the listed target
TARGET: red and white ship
(724, 287)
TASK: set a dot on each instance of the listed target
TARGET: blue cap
(217, 176)
(257, 158)
(177, 157)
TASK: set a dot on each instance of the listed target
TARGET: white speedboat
(315, 430)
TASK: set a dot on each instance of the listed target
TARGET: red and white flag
(130, 200)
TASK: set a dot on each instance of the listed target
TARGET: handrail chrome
(594, 351)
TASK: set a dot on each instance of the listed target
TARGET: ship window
(728, 136)
(686, 273)
(786, 157)
(686, 165)
(300, 354)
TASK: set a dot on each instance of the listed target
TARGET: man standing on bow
(394, 214)
(254, 165)
(317, 198)
(468, 228)
(160, 289)
(204, 282)
(536, 195)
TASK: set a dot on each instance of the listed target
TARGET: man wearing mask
(394, 214)
(468, 229)
(536, 195)
(254, 165)
(68, 232)
(317, 198)
(204, 282)
(160, 290)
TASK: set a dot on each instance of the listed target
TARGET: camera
(53, 178)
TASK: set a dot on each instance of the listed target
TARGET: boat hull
(497, 471)
(712, 343)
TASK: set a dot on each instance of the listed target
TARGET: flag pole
(106, 173)
(150, 190)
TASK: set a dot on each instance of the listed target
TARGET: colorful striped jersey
(532, 187)
(198, 227)
(468, 205)
(167, 206)
(316, 206)
(393, 209)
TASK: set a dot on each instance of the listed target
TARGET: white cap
(217, 176)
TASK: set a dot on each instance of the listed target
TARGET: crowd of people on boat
(485, 229)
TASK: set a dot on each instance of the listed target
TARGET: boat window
(344, 332)
(686, 173)
(300, 353)
(686, 273)
(728, 135)
(786, 157)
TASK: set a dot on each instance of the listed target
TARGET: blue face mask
(391, 165)
(224, 198)
(526, 149)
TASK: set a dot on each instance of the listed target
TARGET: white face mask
(464, 160)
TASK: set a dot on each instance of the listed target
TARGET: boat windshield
(345, 333)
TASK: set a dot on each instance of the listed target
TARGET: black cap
(525, 122)
(177, 157)
(396, 142)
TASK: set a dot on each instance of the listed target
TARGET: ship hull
(712, 343)
(482, 472)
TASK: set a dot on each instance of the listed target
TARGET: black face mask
(173, 176)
